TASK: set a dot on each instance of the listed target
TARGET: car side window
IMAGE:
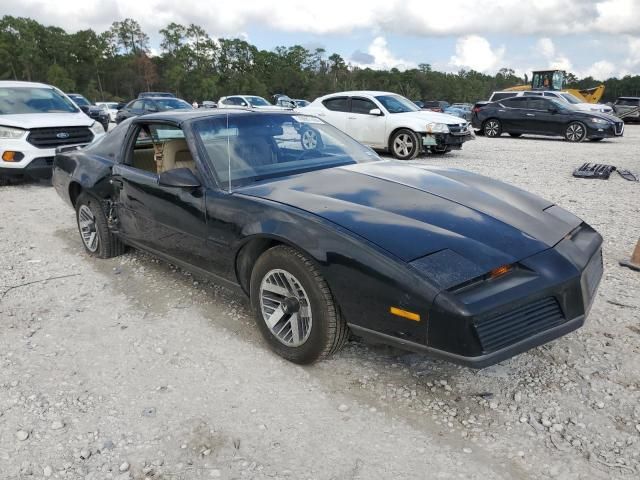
(515, 102)
(538, 104)
(551, 94)
(533, 94)
(496, 96)
(158, 148)
(362, 105)
(137, 105)
(337, 104)
(150, 106)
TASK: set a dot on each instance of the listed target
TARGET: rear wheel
(96, 237)
(294, 308)
(492, 128)
(405, 144)
(575, 132)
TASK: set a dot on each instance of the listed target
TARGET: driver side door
(166, 220)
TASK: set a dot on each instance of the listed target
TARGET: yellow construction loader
(555, 80)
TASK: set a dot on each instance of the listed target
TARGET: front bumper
(448, 140)
(543, 298)
(606, 131)
(35, 162)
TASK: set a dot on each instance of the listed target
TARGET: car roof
(352, 93)
(20, 84)
(180, 116)
(629, 98)
(159, 98)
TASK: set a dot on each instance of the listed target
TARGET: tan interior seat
(176, 154)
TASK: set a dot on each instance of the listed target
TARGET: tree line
(117, 64)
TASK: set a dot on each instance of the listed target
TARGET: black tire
(439, 149)
(328, 331)
(479, 133)
(106, 245)
(596, 139)
(492, 128)
(405, 144)
(575, 132)
(515, 135)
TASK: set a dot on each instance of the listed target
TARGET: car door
(336, 111)
(547, 117)
(164, 219)
(365, 127)
(513, 114)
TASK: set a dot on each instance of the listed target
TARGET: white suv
(564, 97)
(35, 119)
(387, 121)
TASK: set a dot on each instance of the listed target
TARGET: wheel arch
(75, 190)
(397, 129)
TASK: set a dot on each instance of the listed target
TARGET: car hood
(604, 116)
(428, 116)
(593, 107)
(411, 210)
(43, 120)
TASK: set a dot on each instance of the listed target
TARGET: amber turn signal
(498, 272)
(9, 156)
(405, 314)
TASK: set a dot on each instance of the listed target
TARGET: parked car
(247, 101)
(564, 97)
(628, 108)
(460, 111)
(208, 104)
(435, 105)
(289, 103)
(156, 95)
(35, 119)
(142, 106)
(390, 122)
(112, 108)
(81, 101)
(95, 112)
(544, 116)
(330, 239)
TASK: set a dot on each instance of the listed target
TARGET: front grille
(460, 129)
(48, 137)
(618, 126)
(511, 327)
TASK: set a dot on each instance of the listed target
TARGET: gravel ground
(132, 369)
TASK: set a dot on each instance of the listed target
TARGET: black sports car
(142, 106)
(326, 238)
(543, 116)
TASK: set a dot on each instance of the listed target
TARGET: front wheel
(96, 237)
(405, 144)
(294, 308)
(492, 128)
(575, 132)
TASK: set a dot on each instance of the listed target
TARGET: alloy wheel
(286, 309)
(575, 132)
(403, 145)
(309, 140)
(492, 128)
(88, 230)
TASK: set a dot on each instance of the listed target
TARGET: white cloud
(379, 57)
(454, 17)
(600, 70)
(475, 52)
(554, 59)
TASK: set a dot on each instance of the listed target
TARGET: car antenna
(228, 154)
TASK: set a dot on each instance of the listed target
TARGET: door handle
(530, 115)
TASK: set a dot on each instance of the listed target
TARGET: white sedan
(247, 101)
(112, 108)
(387, 121)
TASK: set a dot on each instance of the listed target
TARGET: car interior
(166, 140)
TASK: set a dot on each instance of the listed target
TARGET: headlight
(96, 128)
(437, 128)
(11, 133)
(599, 121)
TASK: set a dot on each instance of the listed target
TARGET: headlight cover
(11, 133)
(96, 128)
(437, 128)
(599, 121)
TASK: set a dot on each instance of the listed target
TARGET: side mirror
(178, 177)
(375, 111)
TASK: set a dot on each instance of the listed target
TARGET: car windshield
(171, 104)
(18, 100)
(258, 101)
(397, 104)
(570, 98)
(79, 100)
(244, 149)
(628, 102)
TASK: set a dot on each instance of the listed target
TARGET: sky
(600, 38)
